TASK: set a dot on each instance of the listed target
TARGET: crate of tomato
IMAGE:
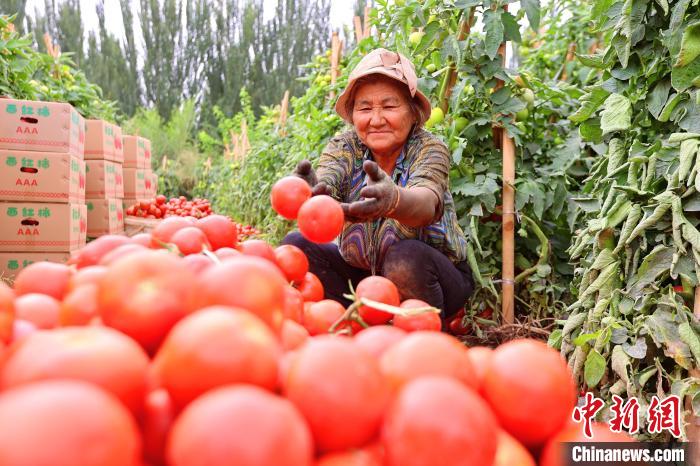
(142, 216)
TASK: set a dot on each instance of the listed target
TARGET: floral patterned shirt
(423, 162)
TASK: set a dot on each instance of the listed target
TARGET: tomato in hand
(321, 219)
(288, 194)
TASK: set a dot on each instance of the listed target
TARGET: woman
(391, 177)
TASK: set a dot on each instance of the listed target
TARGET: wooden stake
(696, 305)
(165, 162)
(284, 106)
(359, 35)
(336, 47)
(366, 31)
(508, 217)
(569, 57)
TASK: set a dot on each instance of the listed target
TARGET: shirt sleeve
(334, 167)
(431, 169)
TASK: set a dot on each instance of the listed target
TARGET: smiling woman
(391, 177)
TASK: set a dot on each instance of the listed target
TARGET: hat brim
(341, 104)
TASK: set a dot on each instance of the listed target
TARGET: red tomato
(99, 355)
(190, 240)
(510, 452)
(311, 288)
(220, 230)
(292, 335)
(119, 252)
(7, 312)
(372, 455)
(480, 356)
(22, 329)
(246, 352)
(293, 304)
(80, 306)
(424, 321)
(145, 294)
(427, 353)
(257, 247)
(66, 423)
(320, 316)
(163, 233)
(157, 420)
(339, 390)
(292, 261)
(43, 277)
(39, 309)
(144, 239)
(94, 250)
(529, 370)
(225, 253)
(87, 275)
(247, 282)
(240, 425)
(197, 262)
(378, 289)
(288, 194)
(160, 199)
(552, 454)
(437, 420)
(376, 340)
(320, 219)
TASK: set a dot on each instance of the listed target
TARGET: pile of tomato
(186, 347)
(162, 207)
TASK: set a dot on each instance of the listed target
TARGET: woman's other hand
(305, 171)
(381, 196)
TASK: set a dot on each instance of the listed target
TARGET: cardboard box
(104, 216)
(103, 141)
(11, 263)
(150, 185)
(137, 152)
(45, 227)
(135, 183)
(41, 177)
(41, 126)
(105, 179)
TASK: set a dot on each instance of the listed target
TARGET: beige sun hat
(391, 64)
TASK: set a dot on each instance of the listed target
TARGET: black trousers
(416, 268)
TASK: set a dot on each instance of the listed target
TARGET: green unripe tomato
(436, 116)
(529, 97)
(522, 115)
(460, 123)
(430, 68)
(415, 38)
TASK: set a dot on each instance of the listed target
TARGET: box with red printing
(137, 152)
(41, 126)
(27, 226)
(41, 177)
(104, 216)
(11, 263)
(135, 183)
(103, 141)
(105, 179)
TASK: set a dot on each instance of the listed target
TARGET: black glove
(305, 171)
(381, 196)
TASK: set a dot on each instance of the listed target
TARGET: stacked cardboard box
(42, 183)
(140, 183)
(105, 178)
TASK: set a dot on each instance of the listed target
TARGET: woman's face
(382, 116)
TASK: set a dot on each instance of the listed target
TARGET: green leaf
(494, 32)
(690, 45)
(590, 131)
(690, 338)
(532, 10)
(622, 46)
(686, 76)
(590, 103)
(594, 61)
(638, 350)
(511, 27)
(554, 340)
(616, 114)
(594, 368)
(600, 8)
(620, 363)
(654, 264)
(584, 338)
(658, 97)
(677, 14)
